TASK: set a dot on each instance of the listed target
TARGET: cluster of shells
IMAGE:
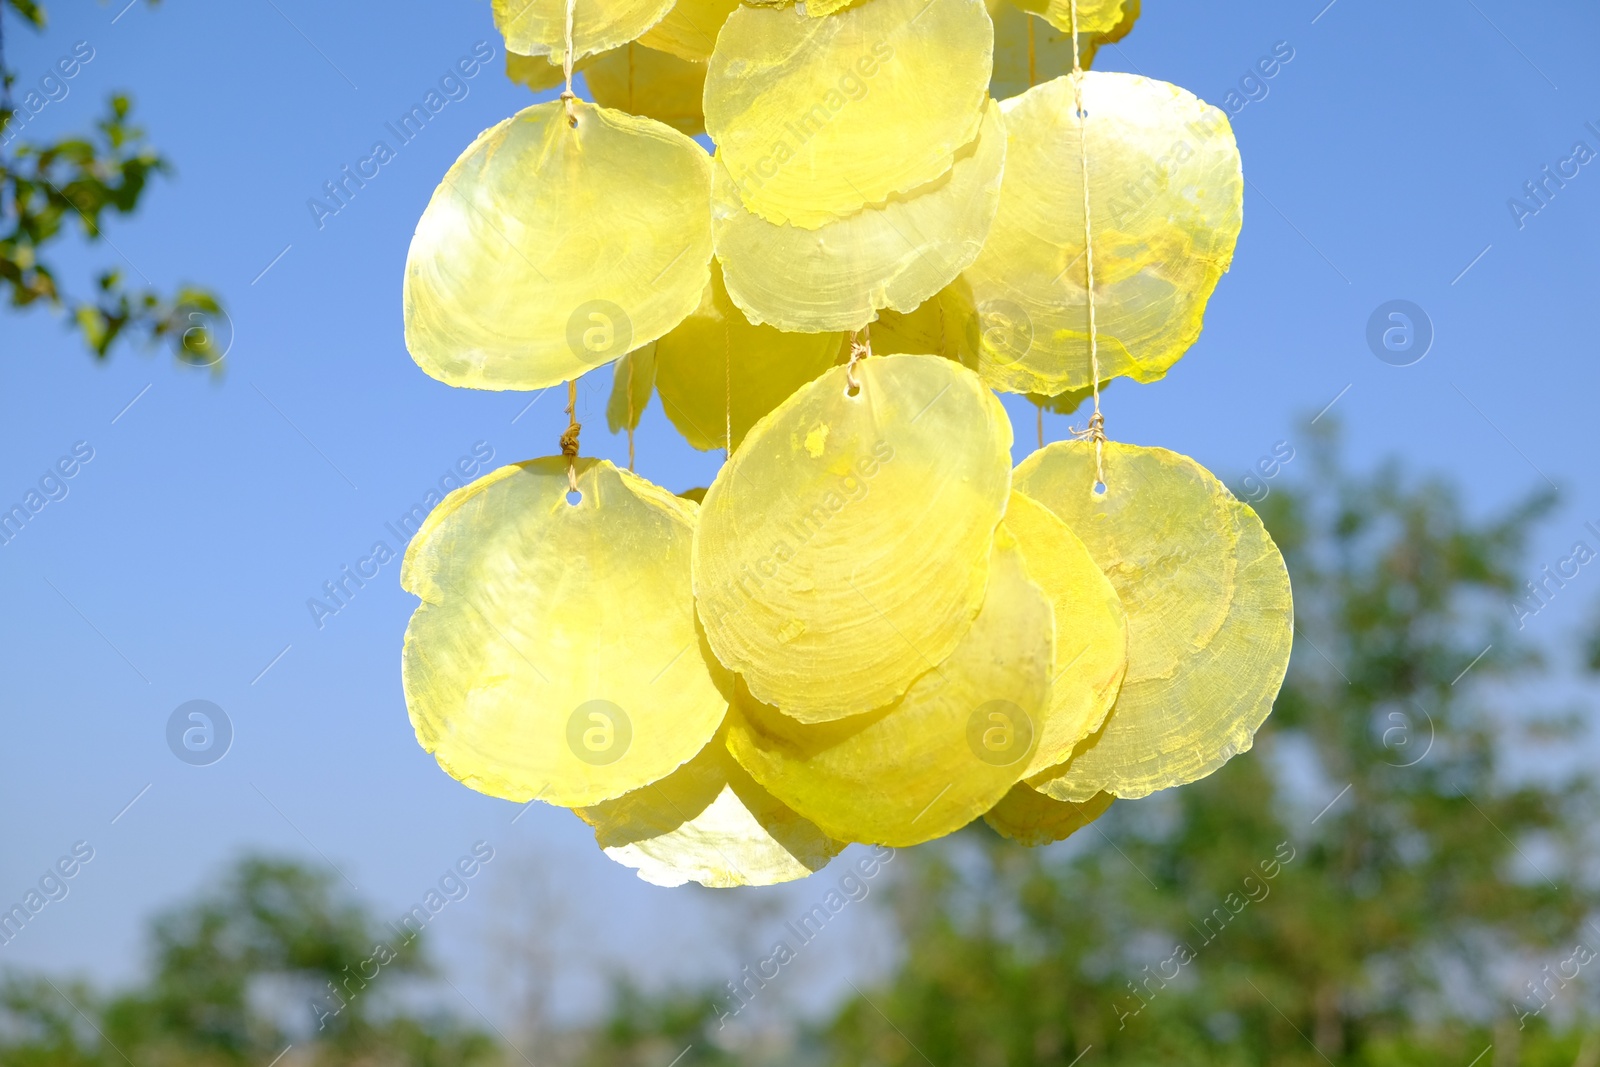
(870, 627)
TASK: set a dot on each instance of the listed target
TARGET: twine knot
(859, 350)
(569, 437)
(567, 95)
(1095, 431)
(569, 440)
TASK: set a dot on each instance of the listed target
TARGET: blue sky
(178, 565)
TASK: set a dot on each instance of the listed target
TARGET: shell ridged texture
(501, 290)
(529, 677)
(816, 118)
(1166, 204)
(1210, 617)
(818, 539)
(539, 27)
(916, 770)
(894, 255)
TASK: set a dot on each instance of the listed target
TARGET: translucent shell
(1030, 818)
(538, 72)
(822, 8)
(549, 250)
(1175, 730)
(538, 27)
(1091, 632)
(1068, 402)
(1210, 615)
(1162, 532)
(709, 822)
(633, 378)
(716, 348)
(946, 324)
(1029, 51)
(843, 550)
(815, 118)
(895, 255)
(1095, 17)
(1166, 201)
(554, 655)
(690, 29)
(920, 768)
(643, 81)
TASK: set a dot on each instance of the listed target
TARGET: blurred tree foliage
(270, 958)
(46, 189)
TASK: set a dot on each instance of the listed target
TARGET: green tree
(48, 189)
(271, 927)
(652, 1030)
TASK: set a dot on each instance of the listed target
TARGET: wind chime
(870, 627)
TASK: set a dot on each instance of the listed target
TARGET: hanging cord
(569, 437)
(1033, 70)
(1096, 430)
(567, 95)
(859, 350)
(727, 393)
(631, 417)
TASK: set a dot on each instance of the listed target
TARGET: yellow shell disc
(709, 822)
(816, 118)
(1091, 632)
(1166, 204)
(895, 255)
(1029, 51)
(554, 655)
(1097, 38)
(549, 250)
(1163, 532)
(1095, 17)
(1030, 818)
(939, 757)
(643, 81)
(946, 324)
(716, 348)
(843, 550)
(690, 29)
(633, 378)
(821, 8)
(1068, 402)
(539, 27)
(538, 72)
(1210, 615)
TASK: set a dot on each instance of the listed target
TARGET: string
(567, 95)
(859, 350)
(631, 419)
(1032, 68)
(727, 395)
(1096, 430)
(569, 437)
